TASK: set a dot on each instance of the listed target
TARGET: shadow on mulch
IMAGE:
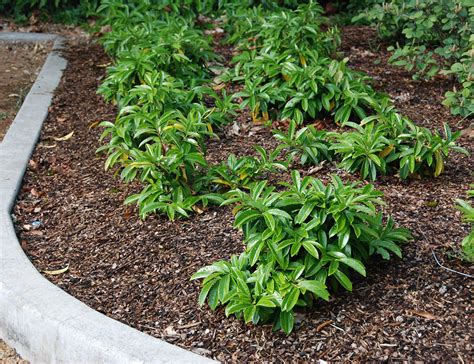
(138, 272)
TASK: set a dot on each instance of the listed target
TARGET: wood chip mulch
(70, 214)
(8, 355)
(20, 64)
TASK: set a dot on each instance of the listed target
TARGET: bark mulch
(8, 355)
(70, 214)
(20, 65)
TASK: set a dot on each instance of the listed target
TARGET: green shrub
(298, 30)
(242, 172)
(435, 36)
(308, 144)
(164, 151)
(363, 150)
(287, 70)
(382, 144)
(375, 149)
(63, 11)
(160, 131)
(461, 99)
(301, 243)
(467, 245)
(170, 46)
(280, 87)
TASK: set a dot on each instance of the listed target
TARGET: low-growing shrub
(169, 46)
(382, 144)
(308, 144)
(432, 37)
(287, 69)
(242, 172)
(378, 148)
(166, 154)
(280, 87)
(63, 11)
(301, 243)
(363, 150)
(280, 30)
(166, 113)
(467, 244)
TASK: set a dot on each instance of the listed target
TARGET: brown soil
(8, 355)
(21, 63)
(138, 271)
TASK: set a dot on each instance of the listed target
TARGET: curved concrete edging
(42, 322)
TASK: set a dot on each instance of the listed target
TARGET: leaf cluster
(303, 87)
(301, 243)
(242, 172)
(378, 148)
(432, 37)
(287, 70)
(61, 11)
(467, 210)
(166, 112)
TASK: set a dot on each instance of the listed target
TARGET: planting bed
(8, 355)
(21, 63)
(70, 214)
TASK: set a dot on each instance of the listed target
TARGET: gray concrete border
(27, 37)
(42, 322)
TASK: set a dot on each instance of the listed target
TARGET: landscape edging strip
(41, 321)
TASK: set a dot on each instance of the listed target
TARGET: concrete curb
(42, 322)
(27, 37)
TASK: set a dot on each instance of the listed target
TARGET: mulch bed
(20, 64)
(8, 355)
(70, 213)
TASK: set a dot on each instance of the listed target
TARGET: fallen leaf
(425, 314)
(170, 331)
(57, 271)
(317, 168)
(218, 87)
(197, 209)
(34, 192)
(94, 124)
(202, 351)
(33, 164)
(319, 125)
(468, 132)
(47, 146)
(323, 325)
(63, 138)
(214, 31)
(187, 326)
(105, 29)
(235, 130)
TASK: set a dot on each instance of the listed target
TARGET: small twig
(464, 118)
(336, 327)
(449, 269)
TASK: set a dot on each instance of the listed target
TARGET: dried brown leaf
(57, 271)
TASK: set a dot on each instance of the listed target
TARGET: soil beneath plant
(70, 213)
(20, 64)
